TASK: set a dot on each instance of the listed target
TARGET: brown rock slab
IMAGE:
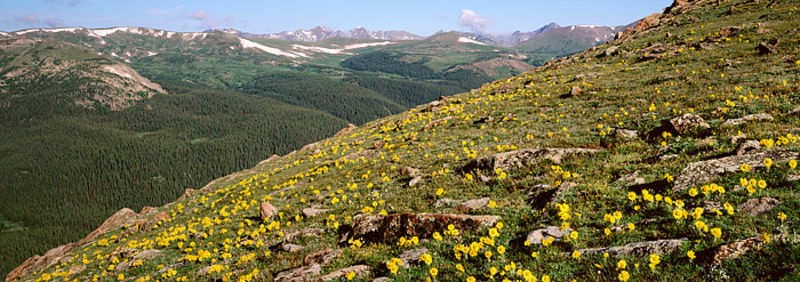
(753, 207)
(267, 211)
(321, 257)
(730, 250)
(700, 172)
(536, 236)
(639, 249)
(748, 147)
(522, 158)
(299, 274)
(360, 271)
(476, 204)
(389, 228)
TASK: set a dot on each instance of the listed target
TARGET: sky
(419, 17)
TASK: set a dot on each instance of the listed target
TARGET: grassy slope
(629, 94)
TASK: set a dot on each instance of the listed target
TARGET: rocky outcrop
(685, 125)
(522, 158)
(643, 24)
(389, 228)
(411, 257)
(536, 236)
(731, 250)
(472, 205)
(753, 207)
(267, 211)
(747, 118)
(639, 249)
(748, 147)
(365, 154)
(324, 256)
(139, 256)
(36, 263)
(299, 274)
(360, 272)
(704, 171)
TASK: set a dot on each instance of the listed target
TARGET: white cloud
(198, 15)
(470, 20)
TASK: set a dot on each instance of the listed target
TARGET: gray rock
(626, 133)
(522, 158)
(299, 274)
(291, 247)
(414, 181)
(536, 236)
(361, 272)
(667, 157)
(610, 51)
(792, 178)
(688, 124)
(588, 75)
(631, 179)
(575, 91)
(753, 207)
(267, 211)
(639, 249)
(474, 204)
(382, 279)
(540, 196)
(747, 147)
(446, 203)
(321, 257)
(312, 212)
(736, 138)
(389, 228)
(410, 171)
(747, 118)
(411, 257)
(705, 171)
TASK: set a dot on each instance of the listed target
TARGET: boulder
(321, 257)
(522, 158)
(575, 91)
(476, 204)
(291, 248)
(437, 122)
(360, 271)
(765, 48)
(389, 228)
(299, 274)
(643, 24)
(312, 212)
(366, 154)
(446, 203)
(639, 249)
(748, 118)
(411, 257)
(626, 133)
(414, 181)
(410, 171)
(748, 147)
(731, 250)
(268, 212)
(117, 220)
(687, 125)
(753, 207)
(587, 75)
(700, 172)
(37, 263)
(542, 195)
(610, 51)
(536, 236)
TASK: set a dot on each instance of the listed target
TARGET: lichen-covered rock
(522, 158)
(411, 257)
(536, 236)
(299, 274)
(360, 271)
(753, 207)
(542, 195)
(747, 147)
(322, 257)
(685, 125)
(389, 228)
(731, 250)
(748, 118)
(700, 172)
(639, 249)
(474, 204)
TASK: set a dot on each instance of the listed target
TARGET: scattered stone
(541, 195)
(267, 211)
(365, 154)
(688, 124)
(587, 75)
(472, 205)
(292, 235)
(299, 274)
(289, 247)
(361, 272)
(312, 212)
(536, 236)
(446, 203)
(765, 48)
(382, 279)
(389, 228)
(792, 178)
(322, 257)
(522, 158)
(575, 91)
(414, 181)
(411, 257)
(610, 51)
(631, 179)
(667, 157)
(410, 171)
(747, 118)
(704, 171)
(438, 122)
(753, 207)
(626, 133)
(734, 249)
(639, 249)
(748, 147)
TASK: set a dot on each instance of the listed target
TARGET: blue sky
(420, 17)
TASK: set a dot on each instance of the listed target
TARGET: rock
(389, 228)
(632, 178)
(411, 257)
(438, 122)
(522, 158)
(414, 181)
(688, 124)
(140, 256)
(118, 219)
(536, 236)
(794, 111)
(150, 222)
(474, 204)
(588, 75)
(747, 118)
(37, 263)
(299, 274)
(676, 6)
(485, 119)
(410, 171)
(753, 207)
(312, 212)
(765, 48)
(365, 154)
(321, 257)
(667, 157)
(446, 203)
(626, 133)
(345, 130)
(382, 279)
(309, 147)
(705, 171)
(748, 147)
(271, 158)
(292, 235)
(289, 247)
(643, 24)
(793, 178)
(361, 272)
(610, 51)
(708, 141)
(731, 250)
(639, 249)
(267, 211)
(541, 195)
(575, 91)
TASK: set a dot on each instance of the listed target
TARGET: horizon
(465, 16)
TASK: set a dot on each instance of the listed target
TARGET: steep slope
(563, 41)
(668, 154)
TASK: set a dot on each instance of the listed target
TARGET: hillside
(563, 41)
(668, 154)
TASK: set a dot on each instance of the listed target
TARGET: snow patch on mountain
(365, 45)
(275, 51)
(467, 40)
(320, 49)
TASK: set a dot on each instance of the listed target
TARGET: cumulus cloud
(471, 21)
(198, 15)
